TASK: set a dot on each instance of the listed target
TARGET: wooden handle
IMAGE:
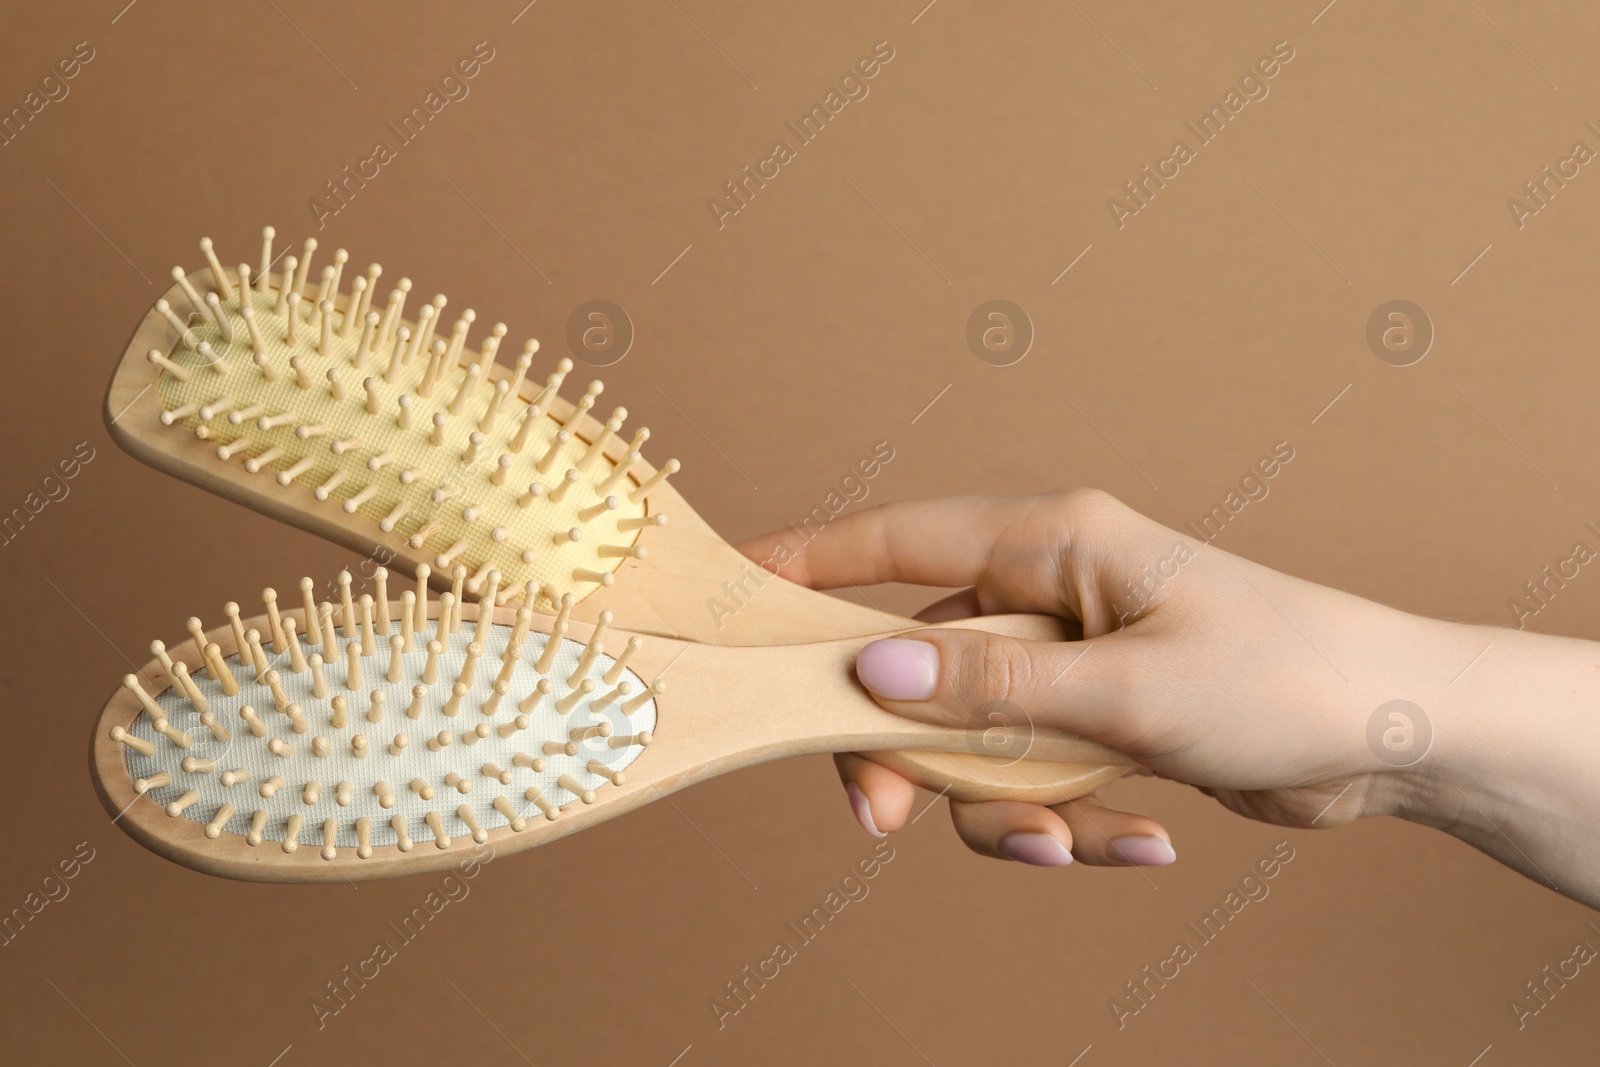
(768, 703)
(975, 778)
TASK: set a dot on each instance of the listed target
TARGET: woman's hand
(1260, 689)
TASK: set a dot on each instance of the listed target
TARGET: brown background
(1224, 317)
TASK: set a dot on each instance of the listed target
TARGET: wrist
(1411, 737)
(1499, 720)
(1510, 769)
(1453, 687)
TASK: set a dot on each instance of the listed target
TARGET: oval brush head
(343, 406)
(385, 733)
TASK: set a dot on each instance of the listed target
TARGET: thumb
(973, 679)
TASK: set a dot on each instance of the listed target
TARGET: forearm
(1515, 764)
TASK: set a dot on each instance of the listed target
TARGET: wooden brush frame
(722, 709)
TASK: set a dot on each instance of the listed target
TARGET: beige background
(1224, 317)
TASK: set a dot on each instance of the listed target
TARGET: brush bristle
(385, 734)
(353, 411)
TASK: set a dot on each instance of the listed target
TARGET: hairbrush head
(414, 734)
(401, 435)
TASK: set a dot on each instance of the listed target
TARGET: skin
(1253, 686)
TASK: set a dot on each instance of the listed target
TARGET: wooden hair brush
(331, 411)
(379, 740)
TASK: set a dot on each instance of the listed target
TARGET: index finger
(944, 542)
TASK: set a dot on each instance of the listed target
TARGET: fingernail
(863, 809)
(1039, 850)
(899, 669)
(1143, 850)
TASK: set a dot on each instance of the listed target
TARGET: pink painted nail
(899, 669)
(863, 809)
(1038, 850)
(1143, 850)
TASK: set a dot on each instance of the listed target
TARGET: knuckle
(1098, 528)
(1083, 520)
(1088, 506)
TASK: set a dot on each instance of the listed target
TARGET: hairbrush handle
(793, 699)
